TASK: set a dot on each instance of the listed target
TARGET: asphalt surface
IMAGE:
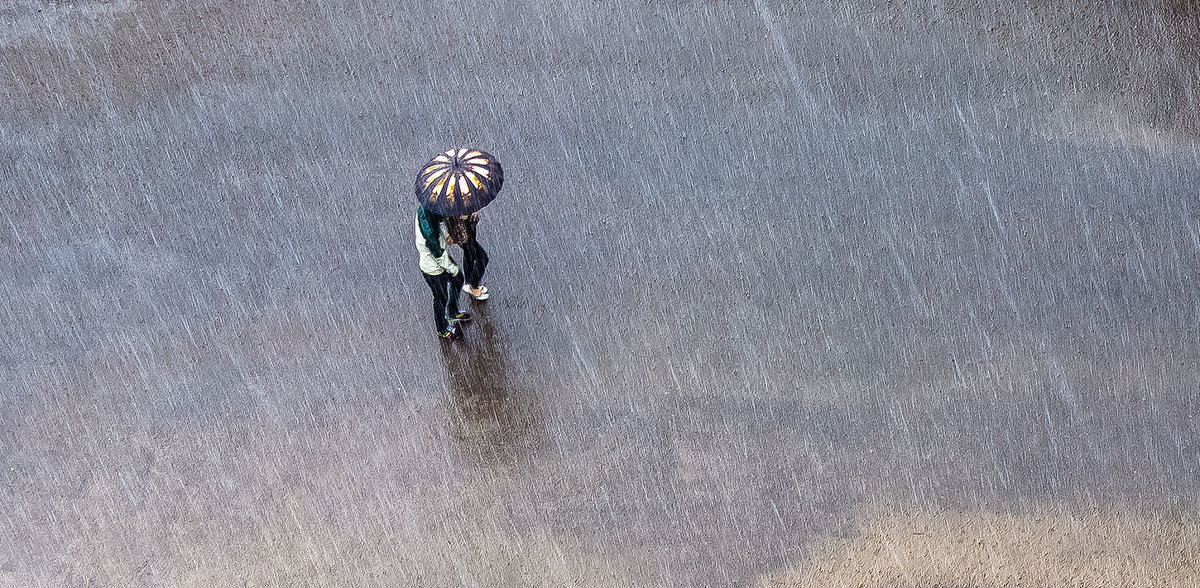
(760, 273)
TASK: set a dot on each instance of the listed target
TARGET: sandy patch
(1101, 547)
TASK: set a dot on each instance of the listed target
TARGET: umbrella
(459, 182)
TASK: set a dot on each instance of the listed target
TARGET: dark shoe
(450, 333)
(462, 317)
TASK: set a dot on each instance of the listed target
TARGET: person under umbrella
(462, 231)
(440, 272)
(456, 183)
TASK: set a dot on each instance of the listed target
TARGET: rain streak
(790, 294)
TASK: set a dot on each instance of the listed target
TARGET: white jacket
(431, 265)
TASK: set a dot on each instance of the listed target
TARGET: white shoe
(478, 294)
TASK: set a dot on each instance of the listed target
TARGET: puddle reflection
(491, 416)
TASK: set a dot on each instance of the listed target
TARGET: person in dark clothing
(440, 272)
(475, 259)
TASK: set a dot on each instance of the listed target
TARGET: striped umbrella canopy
(459, 182)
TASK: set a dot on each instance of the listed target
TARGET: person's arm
(471, 222)
(445, 261)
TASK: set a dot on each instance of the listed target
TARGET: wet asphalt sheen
(758, 268)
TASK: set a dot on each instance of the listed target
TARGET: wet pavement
(766, 279)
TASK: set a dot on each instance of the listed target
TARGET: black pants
(475, 261)
(445, 289)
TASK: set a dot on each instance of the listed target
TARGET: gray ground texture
(779, 288)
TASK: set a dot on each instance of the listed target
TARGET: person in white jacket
(440, 273)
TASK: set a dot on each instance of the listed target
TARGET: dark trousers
(445, 289)
(475, 261)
